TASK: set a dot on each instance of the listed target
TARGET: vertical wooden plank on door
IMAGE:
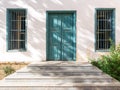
(54, 37)
(67, 37)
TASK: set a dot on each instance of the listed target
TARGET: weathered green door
(61, 36)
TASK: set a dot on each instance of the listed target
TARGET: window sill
(105, 50)
(17, 50)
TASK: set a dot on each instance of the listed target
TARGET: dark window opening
(104, 29)
(16, 29)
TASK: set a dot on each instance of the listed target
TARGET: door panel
(61, 36)
(55, 52)
(54, 37)
(67, 37)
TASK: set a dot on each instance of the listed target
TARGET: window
(16, 23)
(104, 29)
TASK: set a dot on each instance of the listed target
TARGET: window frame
(113, 32)
(7, 30)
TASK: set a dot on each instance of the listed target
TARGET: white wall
(36, 26)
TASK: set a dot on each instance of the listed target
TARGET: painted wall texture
(36, 27)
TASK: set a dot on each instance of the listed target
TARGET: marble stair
(59, 76)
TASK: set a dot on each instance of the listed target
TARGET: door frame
(47, 28)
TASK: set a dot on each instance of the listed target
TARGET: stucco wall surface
(36, 26)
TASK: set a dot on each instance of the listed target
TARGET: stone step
(61, 73)
(64, 74)
(64, 83)
(15, 75)
(53, 68)
(59, 63)
(77, 78)
(39, 70)
(61, 88)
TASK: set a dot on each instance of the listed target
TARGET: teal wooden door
(61, 37)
